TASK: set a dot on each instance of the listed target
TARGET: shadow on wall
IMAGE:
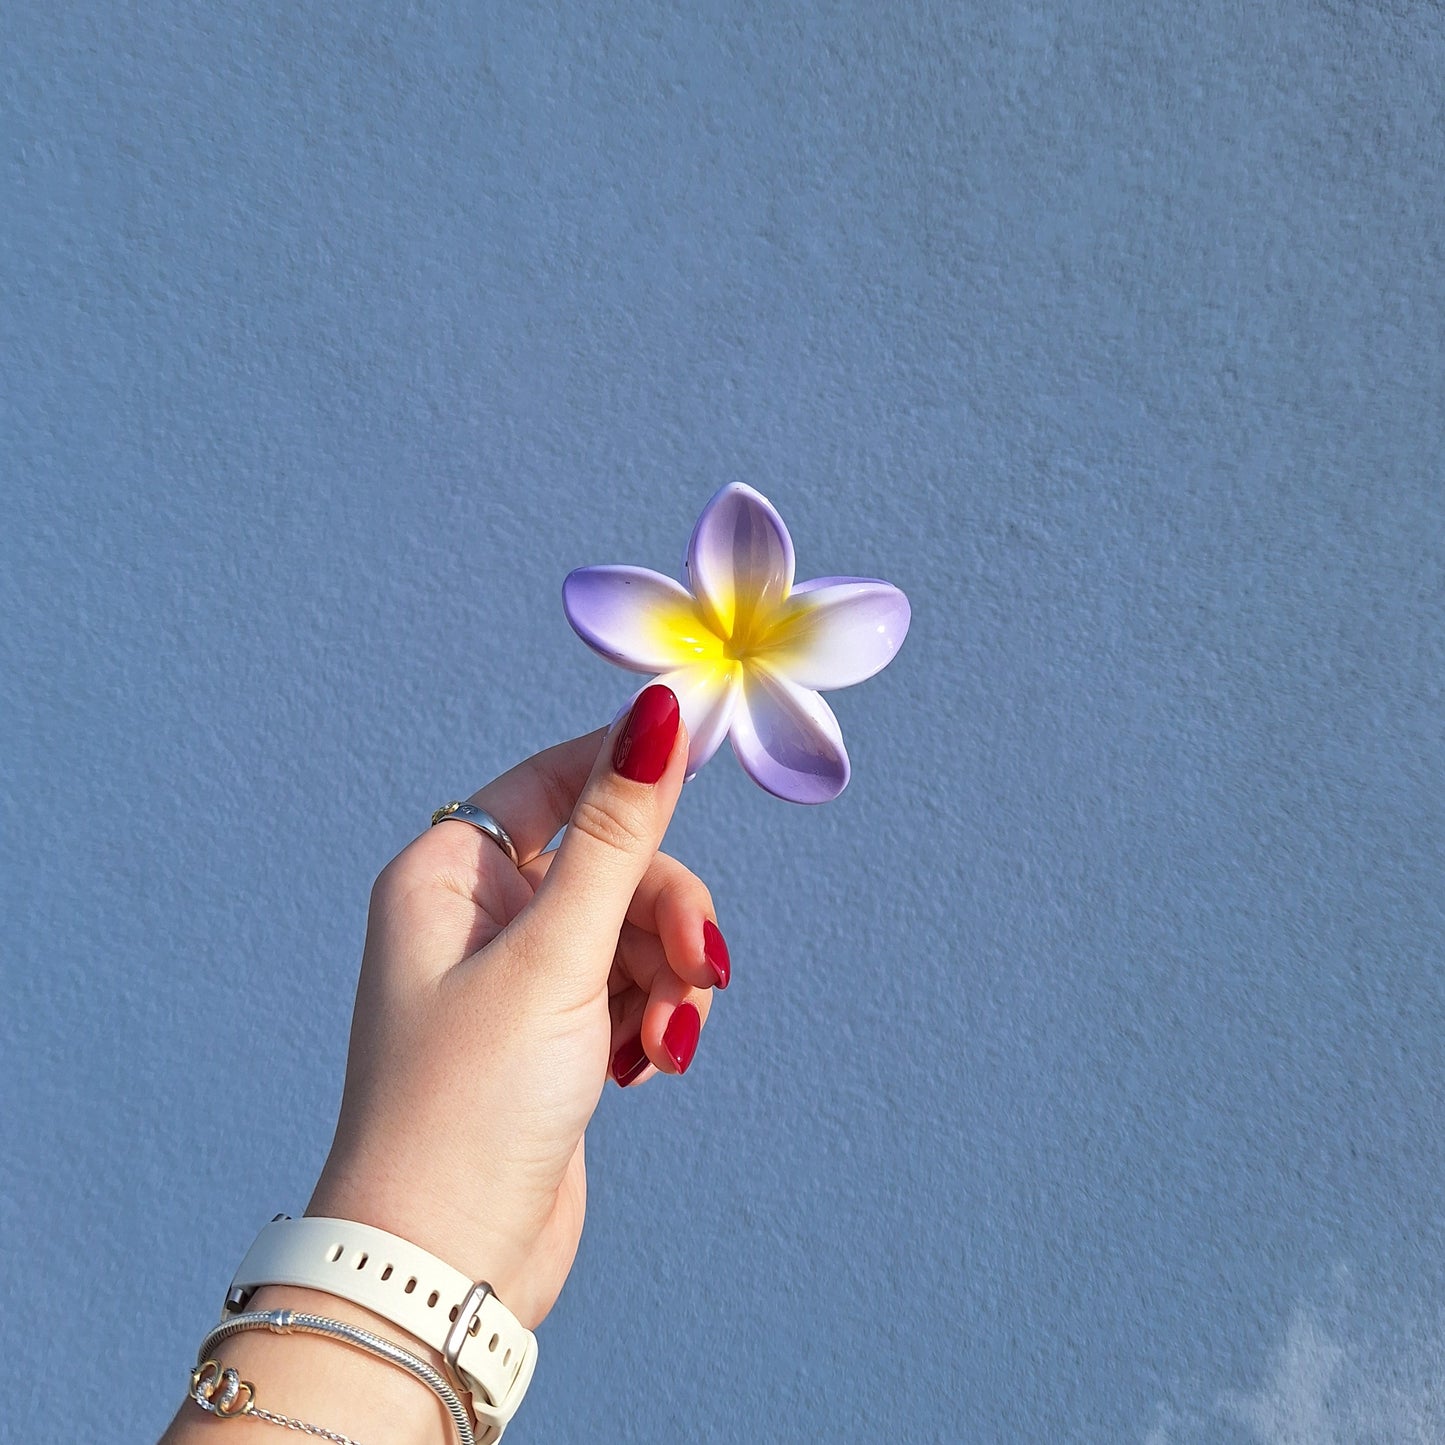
(1342, 1375)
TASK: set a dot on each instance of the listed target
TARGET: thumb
(614, 832)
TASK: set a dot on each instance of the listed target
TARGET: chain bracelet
(219, 1392)
(287, 1322)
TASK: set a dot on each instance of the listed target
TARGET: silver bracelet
(287, 1322)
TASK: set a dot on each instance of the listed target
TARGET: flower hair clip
(747, 653)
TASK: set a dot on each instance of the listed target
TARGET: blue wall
(1082, 1075)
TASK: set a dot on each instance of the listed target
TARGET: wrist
(326, 1382)
(485, 1352)
(440, 1229)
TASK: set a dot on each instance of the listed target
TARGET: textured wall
(1082, 1076)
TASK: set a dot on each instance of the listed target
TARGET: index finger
(533, 800)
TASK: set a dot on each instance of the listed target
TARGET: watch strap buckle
(492, 1416)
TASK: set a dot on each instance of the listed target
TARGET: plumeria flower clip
(746, 651)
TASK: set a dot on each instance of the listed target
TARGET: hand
(493, 1000)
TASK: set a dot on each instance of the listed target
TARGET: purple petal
(706, 697)
(787, 739)
(636, 618)
(740, 560)
(835, 631)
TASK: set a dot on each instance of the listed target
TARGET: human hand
(494, 999)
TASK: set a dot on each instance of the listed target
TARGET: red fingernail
(628, 1062)
(645, 742)
(679, 1038)
(716, 952)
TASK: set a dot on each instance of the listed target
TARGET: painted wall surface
(1082, 1075)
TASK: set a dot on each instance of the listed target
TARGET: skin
(490, 1004)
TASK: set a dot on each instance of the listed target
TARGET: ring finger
(659, 1027)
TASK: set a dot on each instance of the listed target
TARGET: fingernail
(716, 952)
(679, 1038)
(628, 1062)
(645, 742)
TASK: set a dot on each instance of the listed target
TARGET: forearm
(324, 1382)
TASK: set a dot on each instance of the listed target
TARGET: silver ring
(481, 819)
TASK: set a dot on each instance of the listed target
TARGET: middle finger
(675, 905)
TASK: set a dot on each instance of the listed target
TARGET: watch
(490, 1353)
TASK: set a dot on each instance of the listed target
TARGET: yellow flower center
(757, 630)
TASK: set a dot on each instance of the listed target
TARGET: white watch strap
(490, 1350)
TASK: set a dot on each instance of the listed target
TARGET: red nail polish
(679, 1038)
(628, 1062)
(716, 952)
(645, 742)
